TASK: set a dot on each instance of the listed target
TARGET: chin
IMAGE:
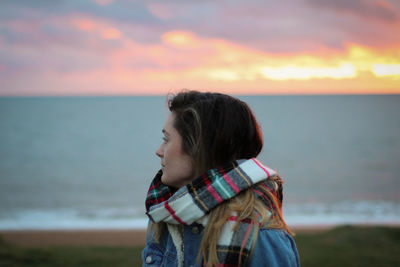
(163, 178)
(165, 181)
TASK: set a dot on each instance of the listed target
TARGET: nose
(160, 151)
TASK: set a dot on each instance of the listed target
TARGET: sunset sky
(132, 47)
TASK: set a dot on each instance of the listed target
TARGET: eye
(165, 140)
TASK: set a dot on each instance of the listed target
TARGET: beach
(45, 238)
(104, 237)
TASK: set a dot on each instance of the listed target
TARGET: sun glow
(223, 61)
(189, 61)
(346, 70)
(382, 70)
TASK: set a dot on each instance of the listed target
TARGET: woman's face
(176, 165)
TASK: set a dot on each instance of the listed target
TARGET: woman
(213, 203)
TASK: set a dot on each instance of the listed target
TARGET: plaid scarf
(194, 201)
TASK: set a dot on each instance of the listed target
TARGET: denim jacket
(274, 247)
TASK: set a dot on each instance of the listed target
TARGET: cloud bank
(150, 47)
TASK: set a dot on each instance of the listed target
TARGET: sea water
(87, 162)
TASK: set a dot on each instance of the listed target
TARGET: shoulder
(274, 247)
(159, 253)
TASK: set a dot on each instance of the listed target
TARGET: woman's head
(214, 129)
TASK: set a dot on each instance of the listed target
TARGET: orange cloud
(180, 39)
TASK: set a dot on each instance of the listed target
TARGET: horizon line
(212, 91)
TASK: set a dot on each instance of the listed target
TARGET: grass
(342, 246)
(351, 246)
(11, 255)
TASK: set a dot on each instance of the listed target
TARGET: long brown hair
(217, 129)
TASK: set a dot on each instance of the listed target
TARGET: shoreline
(119, 237)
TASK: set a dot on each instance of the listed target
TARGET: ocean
(87, 162)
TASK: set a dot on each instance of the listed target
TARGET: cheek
(178, 170)
(186, 166)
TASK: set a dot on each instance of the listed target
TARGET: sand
(43, 238)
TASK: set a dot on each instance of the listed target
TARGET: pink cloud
(369, 9)
(103, 2)
(101, 29)
(160, 10)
